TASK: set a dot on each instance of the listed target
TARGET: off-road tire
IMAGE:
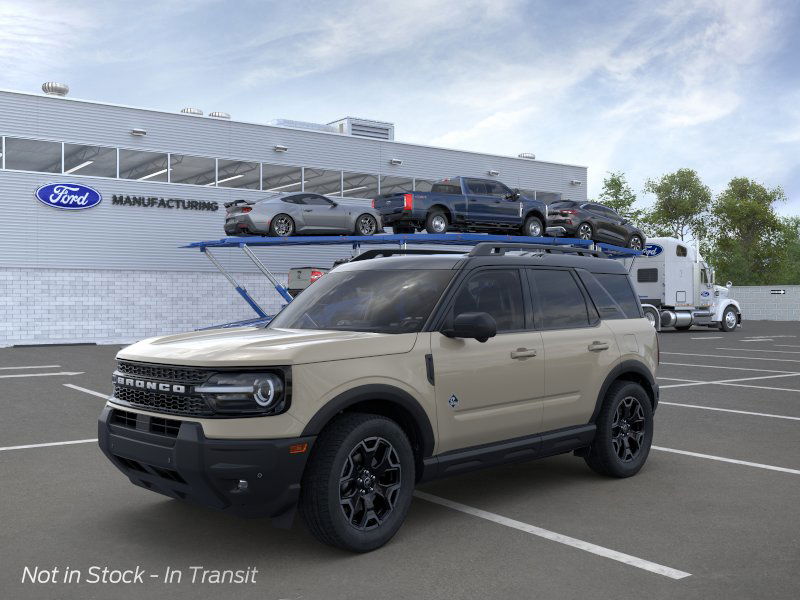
(602, 457)
(723, 325)
(320, 503)
(277, 220)
(432, 220)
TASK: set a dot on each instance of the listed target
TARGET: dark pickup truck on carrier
(463, 204)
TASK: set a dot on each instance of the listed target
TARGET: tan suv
(387, 372)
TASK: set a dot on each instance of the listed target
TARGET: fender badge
(453, 401)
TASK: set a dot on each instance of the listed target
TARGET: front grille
(161, 426)
(175, 404)
(124, 418)
(186, 375)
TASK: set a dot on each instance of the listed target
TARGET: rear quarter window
(618, 286)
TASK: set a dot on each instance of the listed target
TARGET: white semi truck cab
(676, 288)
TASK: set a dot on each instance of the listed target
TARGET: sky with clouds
(640, 87)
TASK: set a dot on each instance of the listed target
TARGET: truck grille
(186, 375)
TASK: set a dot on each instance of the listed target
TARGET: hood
(256, 346)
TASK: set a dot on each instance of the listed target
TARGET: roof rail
(401, 251)
(489, 248)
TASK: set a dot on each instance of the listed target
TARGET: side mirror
(473, 325)
(514, 195)
(334, 204)
(729, 285)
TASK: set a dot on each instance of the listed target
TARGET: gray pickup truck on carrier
(463, 204)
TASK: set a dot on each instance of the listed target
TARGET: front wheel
(624, 431)
(357, 488)
(635, 243)
(729, 320)
(533, 227)
(281, 226)
(366, 225)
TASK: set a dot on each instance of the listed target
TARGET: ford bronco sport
(388, 372)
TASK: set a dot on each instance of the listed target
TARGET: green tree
(749, 244)
(617, 194)
(681, 206)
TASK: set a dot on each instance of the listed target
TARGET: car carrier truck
(676, 288)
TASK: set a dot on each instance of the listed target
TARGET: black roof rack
(490, 248)
(401, 251)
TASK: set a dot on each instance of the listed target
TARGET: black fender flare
(376, 393)
(634, 367)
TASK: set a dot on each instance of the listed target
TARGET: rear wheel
(281, 226)
(366, 224)
(585, 231)
(533, 227)
(436, 222)
(357, 488)
(624, 431)
(729, 320)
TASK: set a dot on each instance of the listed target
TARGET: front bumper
(175, 458)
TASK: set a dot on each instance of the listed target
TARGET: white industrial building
(114, 272)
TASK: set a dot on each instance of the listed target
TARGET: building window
(97, 161)
(33, 155)
(423, 185)
(396, 185)
(194, 170)
(321, 181)
(144, 166)
(280, 178)
(359, 185)
(238, 174)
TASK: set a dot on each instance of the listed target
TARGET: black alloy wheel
(281, 226)
(585, 231)
(366, 225)
(628, 429)
(370, 483)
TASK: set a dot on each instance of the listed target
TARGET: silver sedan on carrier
(300, 213)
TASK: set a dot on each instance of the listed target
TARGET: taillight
(315, 275)
(408, 201)
(569, 212)
(246, 209)
(373, 203)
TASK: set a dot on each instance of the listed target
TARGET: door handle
(598, 346)
(308, 210)
(522, 353)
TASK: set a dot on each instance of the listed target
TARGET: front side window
(33, 155)
(389, 301)
(681, 251)
(315, 200)
(496, 292)
(560, 301)
(495, 188)
(477, 187)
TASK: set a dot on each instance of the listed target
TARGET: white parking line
(738, 357)
(730, 410)
(557, 537)
(48, 444)
(761, 387)
(31, 367)
(81, 389)
(691, 382)
(759, 350)
(710, 337)
(41, 374)
(723, 367)
(787, 345)
(759, 340)
(727, 460)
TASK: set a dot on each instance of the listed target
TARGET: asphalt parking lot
(712, 515)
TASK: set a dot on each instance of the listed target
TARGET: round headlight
(267, 390)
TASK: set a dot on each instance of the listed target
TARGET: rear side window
(605, 303)
(618, 285)
(559, 299)
(647, 275)
(497, 292)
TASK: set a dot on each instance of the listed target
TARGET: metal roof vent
(219, 115)
(51, 88)
(192, 111)
(527, 155)
(377, 130)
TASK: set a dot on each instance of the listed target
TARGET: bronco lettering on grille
(151, 385)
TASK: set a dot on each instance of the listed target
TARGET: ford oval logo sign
(68, 196)
(652, 250)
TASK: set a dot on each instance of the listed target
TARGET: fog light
(243, 485)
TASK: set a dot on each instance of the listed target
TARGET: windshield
(392, 301)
